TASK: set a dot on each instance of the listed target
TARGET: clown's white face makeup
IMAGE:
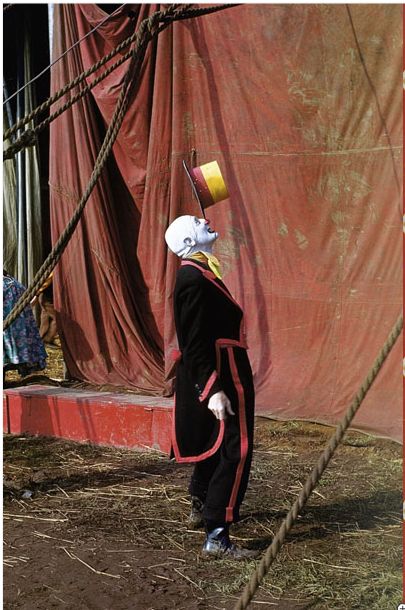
(204, 235)
(189, 234)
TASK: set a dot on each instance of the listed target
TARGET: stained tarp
(301, 107)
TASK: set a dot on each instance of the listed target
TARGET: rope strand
(24, 140)
(63, 55)
(313, 479)
(186, 13)
(147, 30)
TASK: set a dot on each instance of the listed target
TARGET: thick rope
(27, 138)
(186, 13)
(146, 32)
(31, 138)
(55, 61)
(73, 83)
(313, 479)
(199, 12)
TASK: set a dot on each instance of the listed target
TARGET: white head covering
(181, 228)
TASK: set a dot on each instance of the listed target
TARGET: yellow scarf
(211, 260)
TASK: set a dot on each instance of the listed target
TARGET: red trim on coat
(219, 343)
(231, 343)
(175, 355)
(208, 386)
(243, 436)
(224, 343)
(202, 456)
(211, 278)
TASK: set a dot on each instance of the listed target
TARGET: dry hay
(120, 517)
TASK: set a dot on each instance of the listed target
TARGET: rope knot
(27, 138)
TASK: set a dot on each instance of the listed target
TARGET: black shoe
(195, 519)
(218, 546)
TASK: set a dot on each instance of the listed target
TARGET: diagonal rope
(310, 484)
(76, 81)
(55, 61)
(29, 136)
(147, 30)
(186, 13)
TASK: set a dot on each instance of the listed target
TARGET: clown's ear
(189, 242)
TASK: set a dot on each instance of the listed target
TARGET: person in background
(23, 348)
(44, 297)
(214, 400)
(48, 328)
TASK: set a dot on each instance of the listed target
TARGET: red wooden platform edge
(100, 418)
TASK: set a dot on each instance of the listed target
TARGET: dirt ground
(106, 529)
(103, 528)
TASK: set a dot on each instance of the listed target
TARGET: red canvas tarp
(300, 105)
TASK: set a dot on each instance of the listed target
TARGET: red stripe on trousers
(243, 436)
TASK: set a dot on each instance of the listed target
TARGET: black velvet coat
(209, 326)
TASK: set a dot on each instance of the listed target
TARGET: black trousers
(221, 480)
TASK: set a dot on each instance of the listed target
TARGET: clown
(214, 405)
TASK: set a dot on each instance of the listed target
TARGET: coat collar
(210, 276)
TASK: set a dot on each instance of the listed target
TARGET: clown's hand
(220, 405)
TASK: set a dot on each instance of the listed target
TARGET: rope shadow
(369, 513)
